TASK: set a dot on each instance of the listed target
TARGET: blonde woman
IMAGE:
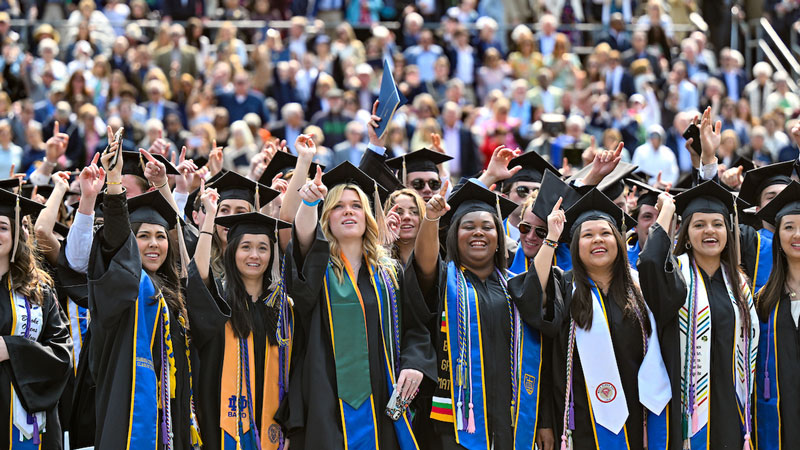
(361, 337)
(347, 46)
(241, 148)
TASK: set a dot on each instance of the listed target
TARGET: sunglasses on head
(419, 184)
(525, 228)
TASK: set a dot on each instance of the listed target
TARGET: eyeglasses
(525, 228)
(523, 191)
(419, 184)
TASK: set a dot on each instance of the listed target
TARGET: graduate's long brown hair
(622, 289)
(728, 264)
(27, 275)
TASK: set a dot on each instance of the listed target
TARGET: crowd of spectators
(478, 73)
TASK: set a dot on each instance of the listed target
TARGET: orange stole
(234, 387)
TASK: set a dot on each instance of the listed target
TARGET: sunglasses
(525, 228)
(419, 184)
(523, 191)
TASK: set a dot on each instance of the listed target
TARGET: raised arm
(306, 220)
(306, 149)
(48, 243)
(55, 148)
(543, 262)
(209, 198)
(156, 173)
(604, 162)
(498, 170)
(426, 247)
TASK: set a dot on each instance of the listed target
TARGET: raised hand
(215, 159)
(436, 143)
(160, 146)
(498, 170)
(61, 181)
(605, 161)
(209, 198)
(733, 177)
(56, 146)
(664, 186)
(555, 221)
(665, 200)
(279, 184)
(305, 146)
(796, 133)
(372, 125)
(393, 224)
(154, 171)
(91, 179)
(187, 168)
(114, 175)
(710, 136)
(314, 190)
(437, 206)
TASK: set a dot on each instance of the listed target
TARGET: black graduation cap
(11, 183)
(200, 161)
(756, 180)
(252, 223)
(612, 185)
(473, 197)
(552, 188)
(61, 229)
(595, 206)
(748, 217)
(283, 162)
(376, 167)
(45, 190)
(15, 207)
(533, 168)
(785, 203)
(346, 172)
(746, 163)
(152, 207)
(685, 182)
(234, 186)
(133, 163)
(189, 207)
(708, 197)
(422, 160)
(648, 195)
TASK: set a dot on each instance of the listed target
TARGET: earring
(688, 245)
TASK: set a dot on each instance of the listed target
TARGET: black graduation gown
(38, 370)
(496, 333)
(322, 419)
(788, 335)
(114, 273)
(211, 312)
(664, 290)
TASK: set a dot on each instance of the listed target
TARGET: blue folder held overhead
(389, 99)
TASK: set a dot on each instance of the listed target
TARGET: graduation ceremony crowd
(214, 238)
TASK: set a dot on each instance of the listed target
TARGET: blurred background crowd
(537, 75)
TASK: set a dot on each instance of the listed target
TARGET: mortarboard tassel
(380, 217)
(16, 229)
(499, 211)
(182, 249)
(275, 274)
(736, 234)
(257, 200)
(403, 180)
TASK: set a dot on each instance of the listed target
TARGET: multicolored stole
(348, 326)
(763, 259)
(27, 321)
(604, 390)
(78, 325)
(466, 358)
(695, 339)
(768, 392)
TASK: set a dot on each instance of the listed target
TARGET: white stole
(21, 323)
(701, 381)
(600, 370)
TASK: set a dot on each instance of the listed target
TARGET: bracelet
(113, 183)
(430, 220)
(48, 163)
(207, 232)
(159, 187)
(312, 204)
(550, 243)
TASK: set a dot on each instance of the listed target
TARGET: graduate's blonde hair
(374, 253)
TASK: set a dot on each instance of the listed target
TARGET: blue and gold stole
(763, 259)
(348, 327)
(520, 263)
(768, 391)
(78, 325)
(465, 356)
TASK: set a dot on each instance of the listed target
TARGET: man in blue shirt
(243, 100)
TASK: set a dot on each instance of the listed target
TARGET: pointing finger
(557, 206)
(318, 177)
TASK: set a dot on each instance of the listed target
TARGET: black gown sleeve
(307, 274)
(660, 278)
(208, 311)
(115, 266)
(527, 294)
(417, 350)
(39, 369)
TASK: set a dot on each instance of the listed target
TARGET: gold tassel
(736, 234)
(405, 182)
(258, 199)
(380, 217)
(182, 248)
(497, 205)
(16, 229)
